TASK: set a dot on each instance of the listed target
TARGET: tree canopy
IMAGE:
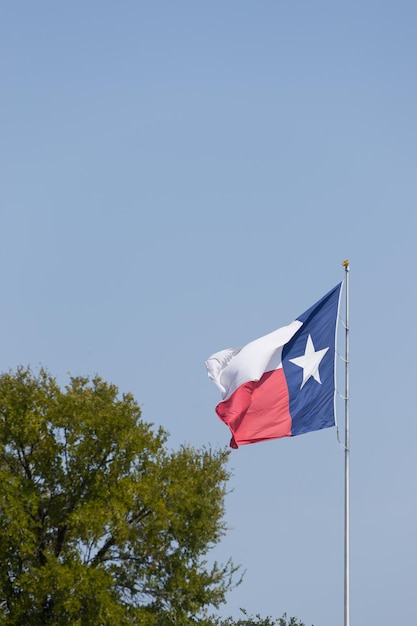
(100, 523)
(248, 620)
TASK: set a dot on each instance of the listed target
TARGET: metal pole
(347, 454)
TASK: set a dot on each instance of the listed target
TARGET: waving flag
(282, 384)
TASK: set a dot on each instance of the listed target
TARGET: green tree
(247, 620)
(101, 524)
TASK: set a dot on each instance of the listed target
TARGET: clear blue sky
(181, 177)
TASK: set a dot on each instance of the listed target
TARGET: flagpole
(347, 455)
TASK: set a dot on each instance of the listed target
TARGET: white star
(310, 362)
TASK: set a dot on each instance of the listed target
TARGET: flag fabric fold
(283, 383)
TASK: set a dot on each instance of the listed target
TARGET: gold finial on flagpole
(346, 263)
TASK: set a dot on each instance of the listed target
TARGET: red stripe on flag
(258, 411)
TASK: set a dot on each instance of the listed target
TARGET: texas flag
(282, 384)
